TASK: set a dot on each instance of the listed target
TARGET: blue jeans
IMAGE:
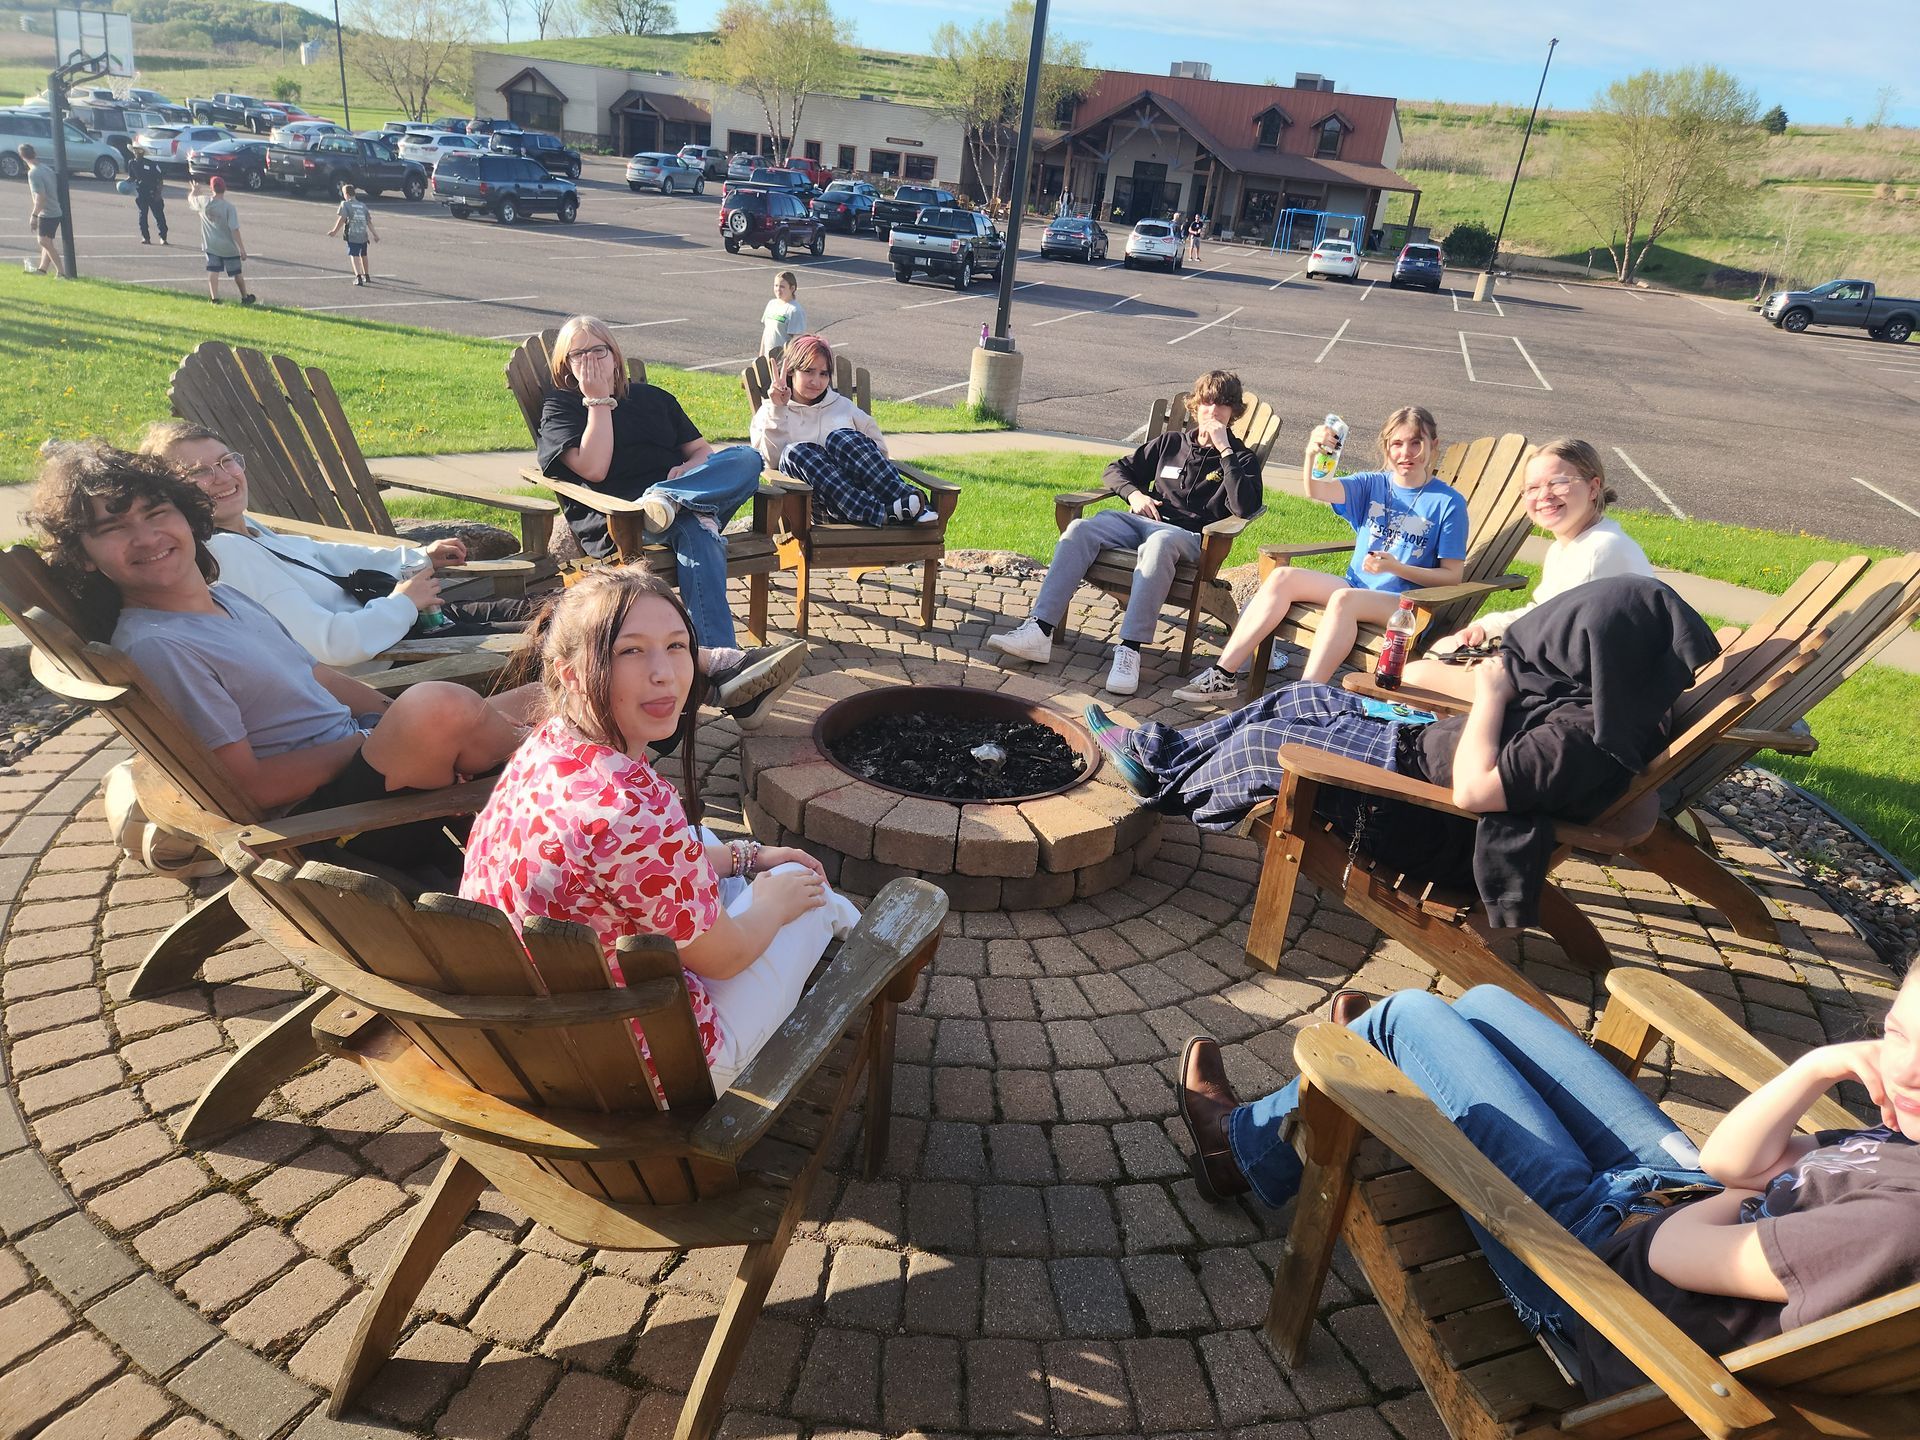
(1160, 547)
(717, 488)
(1559, 1121)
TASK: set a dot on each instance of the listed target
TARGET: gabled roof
(1285, 119)
(531, 73)
(1334, 115)
(666, 106)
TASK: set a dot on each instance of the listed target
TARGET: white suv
(1154, 243)
(1334, 257)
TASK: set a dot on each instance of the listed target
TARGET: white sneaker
(658, 512)
(1209, 686)
(1124, 676)
(1029, 642)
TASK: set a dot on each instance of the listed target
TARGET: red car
(812, 169)
(772, 220)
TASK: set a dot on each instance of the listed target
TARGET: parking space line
(1563, 287)
(971, 295)
(1705, 306)
(415, 304)
(1463, 351)
(1294, 276)
(1369, 291)
(1400, 345)
(1901, 369)
(847, 284)
(1196, 274)
(1124, 298)
(1456, 299)
(1058, 318)
(1886, 497)
(1496, 307)
(1334, 341)
(1665, 499)
(1633, 295)
(1530, 365)
(722, 364)
(1208, 326)
(757, 266)
(958, 384)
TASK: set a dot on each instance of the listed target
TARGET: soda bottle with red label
(1393, 655)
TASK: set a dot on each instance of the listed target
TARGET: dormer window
(1331, 134)
(1267, 126)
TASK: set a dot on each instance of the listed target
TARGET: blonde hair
(1422, 420)
(1584, 459)
(788, 279)
(163, 437)
(563, 378)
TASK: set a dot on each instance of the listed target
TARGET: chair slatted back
(530, 374)
(852, 381)
(1489, 473)
(309, 392)
(1258, 426)
(91, 673)
(453, 947)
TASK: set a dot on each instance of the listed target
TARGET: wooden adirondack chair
(1388, 1174)
(1441, 926)
(752, 553)
(1489, 472)
(809, 543)
(1198, 587)
(534, 1075)
(183, 790)
(305, 471)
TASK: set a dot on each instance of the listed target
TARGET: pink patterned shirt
(576, 830)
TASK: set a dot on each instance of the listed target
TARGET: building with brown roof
(1150, 145)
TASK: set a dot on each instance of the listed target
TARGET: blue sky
(1821, 70)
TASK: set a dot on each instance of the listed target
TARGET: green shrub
(1469, 243)
(1774, 122)
(287, 88)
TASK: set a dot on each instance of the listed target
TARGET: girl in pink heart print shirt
(581, 827)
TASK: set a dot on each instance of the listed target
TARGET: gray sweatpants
(1161, 547)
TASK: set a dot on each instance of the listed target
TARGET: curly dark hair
(73, 474)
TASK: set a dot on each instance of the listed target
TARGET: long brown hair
(576, 630)
(1586, 462)
(1422, 421)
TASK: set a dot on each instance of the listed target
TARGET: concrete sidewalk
(501, 469)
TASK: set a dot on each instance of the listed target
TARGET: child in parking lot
(783, 318)
(354, 217)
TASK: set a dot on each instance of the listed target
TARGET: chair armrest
(292, 831)
(1216, 540)
(1067, 508)
(1434, 596)
(473, 490)
(1649, 1000)
(904, 919)
(334, 534)
(924, 479)
(593, 499)
(1311, 764)
(1362, 682)
(481, 568)
(1271, 555)
(1797, 739)
(1385, 1103)
(769, 508)
(1231, 525)
(468, 669)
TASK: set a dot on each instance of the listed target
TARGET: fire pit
(977, 780)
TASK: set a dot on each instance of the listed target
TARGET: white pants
(754, 1003)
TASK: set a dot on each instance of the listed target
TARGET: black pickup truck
(370, 166)
(955, 245)
(240, 112)
(905, 204)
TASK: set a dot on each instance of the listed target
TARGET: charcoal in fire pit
(933, 755)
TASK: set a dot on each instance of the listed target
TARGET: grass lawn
(1864, 766)
(91, 357)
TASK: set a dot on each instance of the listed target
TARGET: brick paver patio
(1035, 1259)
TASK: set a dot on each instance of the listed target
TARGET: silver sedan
(654, 170)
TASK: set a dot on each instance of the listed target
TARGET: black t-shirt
(1840, 1227)
(649, 429)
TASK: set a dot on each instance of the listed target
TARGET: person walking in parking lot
(354, 217)
(783, 318)
(45, 213)
(1196, 227)
(150, 195)
(220, 238)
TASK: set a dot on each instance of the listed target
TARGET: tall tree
(544, 13)
(980, 81)
(779, 52)
(1672, 149)
(506, 9)
(411, 47)
(628, 17)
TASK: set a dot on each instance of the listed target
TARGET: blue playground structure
(1290, 226)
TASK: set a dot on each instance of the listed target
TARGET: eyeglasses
(592, 352)
(1559, 485)
(233, 462)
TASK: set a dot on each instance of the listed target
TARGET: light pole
(340, 49)
(1483, 287)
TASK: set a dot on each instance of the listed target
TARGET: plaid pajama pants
(851, 478)
(1218, 770)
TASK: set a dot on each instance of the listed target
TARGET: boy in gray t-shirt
(357, 220)
(44, 212)
(220, 237)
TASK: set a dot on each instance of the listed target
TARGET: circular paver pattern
(1033, 1260)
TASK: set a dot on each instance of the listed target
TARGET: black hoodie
(1194, 483)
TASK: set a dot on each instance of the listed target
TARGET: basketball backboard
(94, 34)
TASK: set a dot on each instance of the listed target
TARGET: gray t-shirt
(354, 212)
(218, 221)
(41, 181)
(236, 675)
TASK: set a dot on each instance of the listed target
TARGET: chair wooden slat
(329, 437)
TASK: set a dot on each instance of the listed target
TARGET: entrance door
(1151, 195)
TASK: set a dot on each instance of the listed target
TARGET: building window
(846, 160)
(922, 167)
(813, 150)
(1269, 133)
(742, 142)
(534, 112)
(1331, 134)
(884, 162)
(1063, 110)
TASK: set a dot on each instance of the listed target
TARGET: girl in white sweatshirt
(807, 429)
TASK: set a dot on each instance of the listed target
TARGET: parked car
(1334, 257)
(947, 243)
(226, 107)
(485, 130)
(772, 220)
(656, 170)
(507, 187)
(1075, 236)
(819, 174)
(742, 165)
(145, 99)
(169, 145)
(115, 124)
(711, 159)
(846, 205)
(452, 124)
(794, 182)
(242, 161)
(370, 166)
(1419, 264)
(1154, 243)
(85, 155)
(906, 202)
(548, 151)
(427, 149)
(1854, 303)
(299, 134)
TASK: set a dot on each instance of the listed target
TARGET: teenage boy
(44, 212)
(220, 238)
(1174, 486)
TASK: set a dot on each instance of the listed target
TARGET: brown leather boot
(1206, 1100)
(1348, 1006)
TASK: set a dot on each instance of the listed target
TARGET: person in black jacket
(150, 194)
(1174, 486)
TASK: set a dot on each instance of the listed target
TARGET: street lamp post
(340, 49)
(1483, 287)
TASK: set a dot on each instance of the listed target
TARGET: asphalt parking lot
(1699, 407)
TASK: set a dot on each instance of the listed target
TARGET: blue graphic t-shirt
(1416, 527)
